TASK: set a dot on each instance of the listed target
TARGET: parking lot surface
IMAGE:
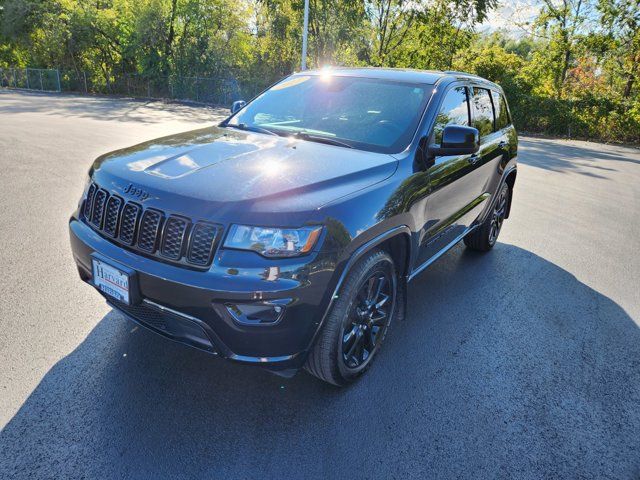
(520, 363)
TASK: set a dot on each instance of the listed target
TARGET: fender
(364, 248)
(355, 256)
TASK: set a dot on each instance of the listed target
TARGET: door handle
(503, 144)
(474, 158)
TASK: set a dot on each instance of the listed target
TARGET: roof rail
(455, 72)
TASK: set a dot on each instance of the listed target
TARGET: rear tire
(355, 327)
(485, 236)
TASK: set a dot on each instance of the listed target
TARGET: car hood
(221, 168)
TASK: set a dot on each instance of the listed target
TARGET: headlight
(273, 242)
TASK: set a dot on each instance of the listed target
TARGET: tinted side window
(482, 111)
(454, 111)
(502, 114)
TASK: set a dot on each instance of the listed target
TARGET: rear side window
(502, 114)
(454, 111)
(482, 111)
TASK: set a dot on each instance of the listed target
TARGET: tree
(621, 18)
(426, 33)
(335, 26)
(560, 23)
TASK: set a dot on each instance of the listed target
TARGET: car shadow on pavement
(584, 158)
(506, 366)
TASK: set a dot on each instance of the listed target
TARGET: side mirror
(457, 140)
(237, 105)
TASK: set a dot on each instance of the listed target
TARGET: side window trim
(493, 108)
(495, 96)
(468, 90)
(506, 109)
(472, 94)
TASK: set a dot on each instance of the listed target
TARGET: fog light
(260, 313)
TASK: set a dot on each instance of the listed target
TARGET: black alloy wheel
(498, 215)
(367, 319)
(357, 323)
(484, 237)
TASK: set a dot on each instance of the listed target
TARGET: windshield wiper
(321, 139)
(251, 128)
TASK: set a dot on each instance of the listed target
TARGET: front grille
(97, 212)
(201, 246)
(168, 323)
(149, 228)
(171, 238)
(129, 222)
(89, 201)
(144, 314)
(111, 216)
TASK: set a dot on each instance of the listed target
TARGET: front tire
(358, 321)
(485, 236)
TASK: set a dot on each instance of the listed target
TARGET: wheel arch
(397, 243)
(398, 247)
(510, 180)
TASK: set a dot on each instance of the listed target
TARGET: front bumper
(189, 306)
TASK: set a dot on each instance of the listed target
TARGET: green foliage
(574, 73)
(572, 76)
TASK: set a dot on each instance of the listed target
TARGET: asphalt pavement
(521, 363)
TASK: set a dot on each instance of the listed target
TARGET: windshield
(364, 113)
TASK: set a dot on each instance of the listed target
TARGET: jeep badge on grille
(134, 191)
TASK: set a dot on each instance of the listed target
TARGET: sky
(509, 15)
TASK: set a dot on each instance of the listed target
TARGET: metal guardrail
(217, 91)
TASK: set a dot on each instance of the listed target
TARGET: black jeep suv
(286, 235)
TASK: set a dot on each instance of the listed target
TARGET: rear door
(503, 125)
(493, 140)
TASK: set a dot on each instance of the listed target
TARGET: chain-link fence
(216, 91)
(31, 79)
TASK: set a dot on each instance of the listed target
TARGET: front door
(452, 186)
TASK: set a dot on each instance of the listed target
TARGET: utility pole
(305, 32)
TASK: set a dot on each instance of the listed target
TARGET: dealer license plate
(111, 280)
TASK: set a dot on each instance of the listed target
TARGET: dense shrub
(587, 118)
